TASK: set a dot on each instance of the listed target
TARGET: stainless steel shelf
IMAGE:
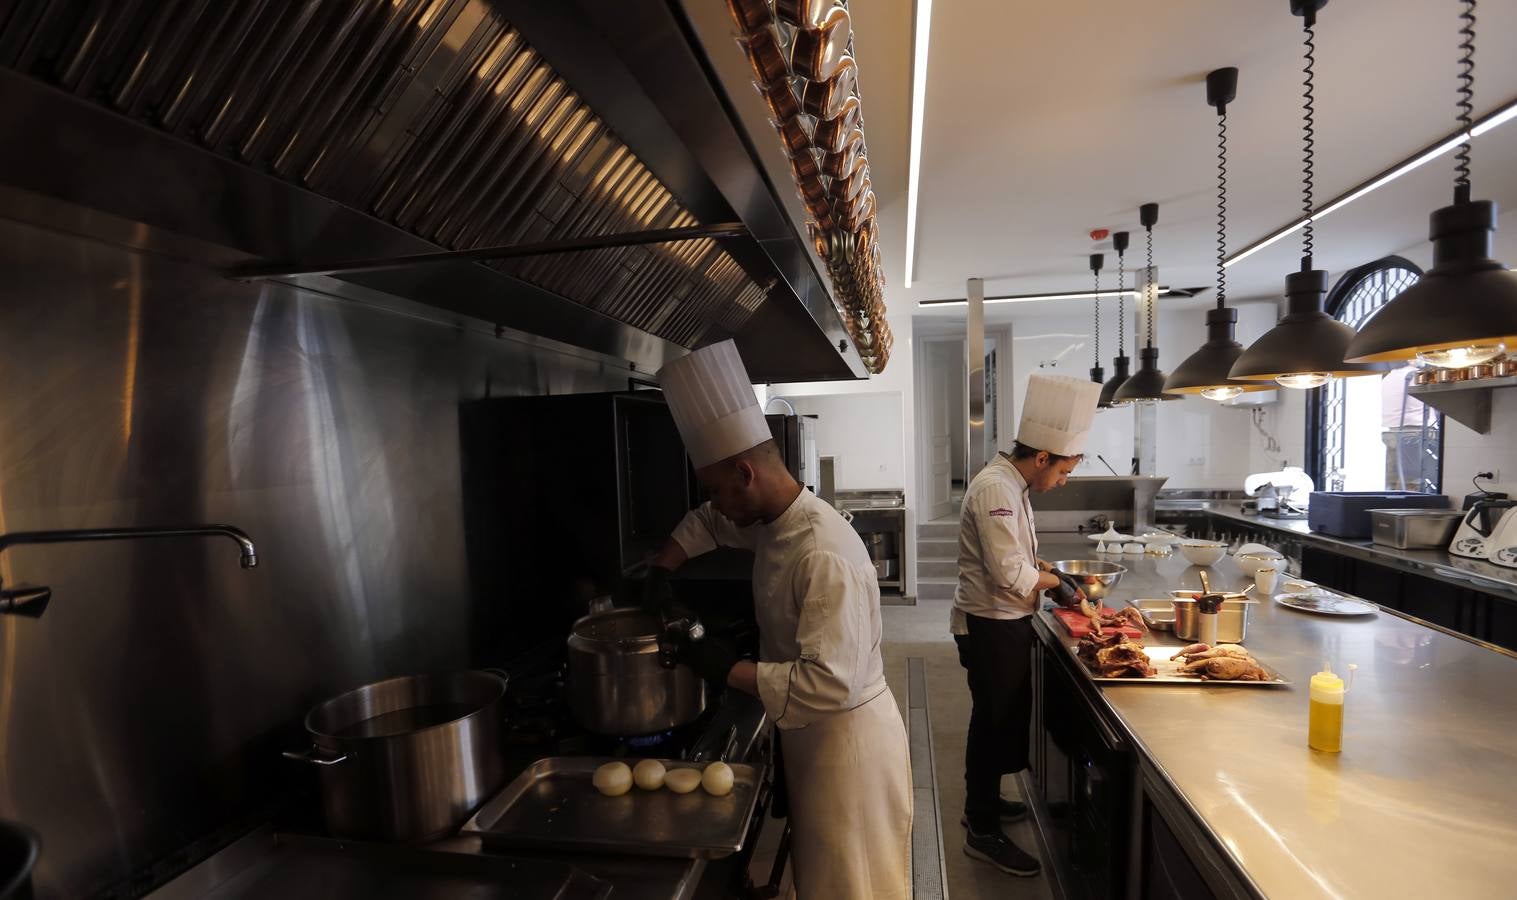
(1466, 402)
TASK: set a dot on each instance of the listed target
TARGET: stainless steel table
(1421, 802)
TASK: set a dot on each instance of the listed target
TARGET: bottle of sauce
(1324, 728)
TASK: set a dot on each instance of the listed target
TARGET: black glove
(1067, 592)
(712, 657)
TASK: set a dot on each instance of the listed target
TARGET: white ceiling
(1047, 120)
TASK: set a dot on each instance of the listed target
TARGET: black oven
(562, 496)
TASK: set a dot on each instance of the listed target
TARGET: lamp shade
(1207, 368)
(1306, 342)
(1147, 385)
(1467, 299)
(1109, 389)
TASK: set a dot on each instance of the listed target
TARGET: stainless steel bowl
(1096, 577)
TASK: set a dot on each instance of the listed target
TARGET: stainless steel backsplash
(147, 708)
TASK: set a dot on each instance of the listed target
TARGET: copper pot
(1447, 376)
(861, 211)
(750, 15)
(817, 52)
(803, 13)
(847, 187)
(767, 56)
(839, 164)
(1484, 370)
(781, 99)
(830, 133)
(1424, 376)
(795, 135)
(824, 99)
(1504, 368)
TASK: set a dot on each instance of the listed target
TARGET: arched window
(1370, 434)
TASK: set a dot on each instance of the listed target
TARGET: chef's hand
(712, 657)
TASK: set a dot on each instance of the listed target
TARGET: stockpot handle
(309, 756)
(502, 674)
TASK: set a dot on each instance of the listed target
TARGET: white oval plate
(1327, 604)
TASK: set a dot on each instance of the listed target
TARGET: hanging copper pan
(803, 13)
(795, 135)
(767, 56)
(824, 99)
(750, 15)
(848, 186)
(839, 164)
(817, 52)
(830, 133)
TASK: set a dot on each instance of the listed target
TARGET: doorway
(941, 412)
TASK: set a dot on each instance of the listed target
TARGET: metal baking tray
(1169, 672)
(554, 806)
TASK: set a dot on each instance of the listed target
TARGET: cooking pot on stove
(19, 847)
(408, 758)
(617, 684)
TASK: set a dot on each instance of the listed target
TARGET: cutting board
(1079, 626)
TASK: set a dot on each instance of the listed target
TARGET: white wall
(897, 382)
(849, 428)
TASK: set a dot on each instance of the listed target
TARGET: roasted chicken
(1224, 662)
(1113, 655)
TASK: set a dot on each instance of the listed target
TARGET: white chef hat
(713, 404)
(1057, 413)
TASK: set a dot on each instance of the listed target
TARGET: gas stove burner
(648, 741)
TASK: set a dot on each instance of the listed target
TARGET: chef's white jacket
(998, 549)
(822, 681)
(817, 602)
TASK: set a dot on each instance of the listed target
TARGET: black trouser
(998, 655)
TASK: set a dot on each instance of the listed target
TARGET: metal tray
(1169, 672)
(1327, 604)
(1159, 614)
(554, 806)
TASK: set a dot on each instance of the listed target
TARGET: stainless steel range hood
(298, 136)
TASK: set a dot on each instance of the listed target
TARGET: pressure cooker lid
(619, 626)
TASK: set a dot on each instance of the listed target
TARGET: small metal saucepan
(618, 684)
(780, 97)
(846, 188)
(1504, 367)
(750, 15)
(837, 165)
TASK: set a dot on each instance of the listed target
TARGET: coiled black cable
(1153, 298)
(1308, 141)
(1096, 314)
(1121, 303)
(1222, 209)
(1466, 100)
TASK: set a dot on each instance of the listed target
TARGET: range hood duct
(439, 119)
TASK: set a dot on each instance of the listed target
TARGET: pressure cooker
(618, 682)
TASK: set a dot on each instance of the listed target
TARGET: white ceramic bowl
(1250, 563)
(1203, 553)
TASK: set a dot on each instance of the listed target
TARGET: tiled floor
(922, 630)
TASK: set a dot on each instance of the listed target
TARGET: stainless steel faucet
(32, 601)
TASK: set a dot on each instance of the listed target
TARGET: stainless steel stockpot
(408, 758)
(617, 685)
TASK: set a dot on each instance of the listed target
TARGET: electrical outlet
(1496, 475)
(1198, 460)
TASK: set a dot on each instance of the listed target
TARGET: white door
(940, 428)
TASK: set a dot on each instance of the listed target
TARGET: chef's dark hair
(1020, 450)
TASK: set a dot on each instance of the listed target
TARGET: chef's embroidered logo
(1003, 511)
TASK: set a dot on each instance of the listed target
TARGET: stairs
(938, 555)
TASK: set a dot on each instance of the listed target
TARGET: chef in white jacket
(1000, 578)
(819, 674)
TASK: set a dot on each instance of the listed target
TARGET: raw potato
(649, 774)
(717, 779)
(613, 779)
(682, 781)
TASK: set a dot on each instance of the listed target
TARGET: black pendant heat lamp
(1205, 371)
(1121, 362)
(1463, 311)
(1097, 374)
(1305, 349)
(1147, 384)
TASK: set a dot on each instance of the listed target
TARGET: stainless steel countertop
(1440, 564)
(1421, 802)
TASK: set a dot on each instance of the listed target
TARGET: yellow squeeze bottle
(1324, 729)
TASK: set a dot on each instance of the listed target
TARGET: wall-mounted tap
(32, 601)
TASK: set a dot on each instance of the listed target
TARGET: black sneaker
(998, 850)
(1010, 811)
